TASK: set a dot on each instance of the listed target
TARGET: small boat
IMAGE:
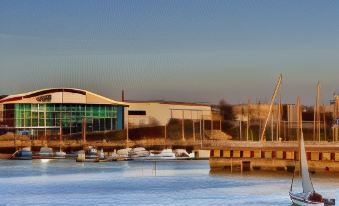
(139, 152)
(309, 196)
(60, 155)
(124, 154)
(166, 154)
(23, 154)
(101, 154)
(46, 152)
(182, 154)
(91, 153)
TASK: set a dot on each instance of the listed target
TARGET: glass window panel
(34, 122)
(64, 108)
(42, 107)
(27, 122)
(66, 115)
(27, 114)
(34, 114)
(107, 124)
(17, 114)
(18, 122)
(41, 115)
(27, 107)
(57, 107)
(50, 108)
(96, 125)
(102, 113)
(50, 122)
(74, 108)
(41, 122)
(88, 113)
(81, 114)
(57, 115)
(65, 123)
(49, 115)
(95, 112)
(34, 107)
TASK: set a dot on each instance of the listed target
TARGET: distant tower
(122, 95)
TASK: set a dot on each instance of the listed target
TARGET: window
(136, 112)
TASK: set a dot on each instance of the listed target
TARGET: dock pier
(276, 156)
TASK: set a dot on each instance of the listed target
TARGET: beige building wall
(159, 114)
(260, 111)
(1, 112)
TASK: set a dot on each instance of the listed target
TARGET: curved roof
(90, 96)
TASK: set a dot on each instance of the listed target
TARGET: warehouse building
(159, 113)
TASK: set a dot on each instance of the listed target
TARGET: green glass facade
(69, 117)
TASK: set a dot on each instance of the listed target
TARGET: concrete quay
(247, 156)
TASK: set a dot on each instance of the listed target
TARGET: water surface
(64, 182)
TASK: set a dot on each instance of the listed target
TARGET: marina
(42, 182)
(174, 103)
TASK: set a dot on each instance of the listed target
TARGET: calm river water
(64, 182)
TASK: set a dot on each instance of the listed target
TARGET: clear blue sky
(184, 50)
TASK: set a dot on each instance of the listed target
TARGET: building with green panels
(49, 112)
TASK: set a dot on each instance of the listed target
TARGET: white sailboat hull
(300, 199)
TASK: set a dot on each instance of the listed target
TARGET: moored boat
(23, 154)
(60, 154)
(46, 153)
(139, 152)
(91, 153)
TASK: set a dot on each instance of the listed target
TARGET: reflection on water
(64, 182)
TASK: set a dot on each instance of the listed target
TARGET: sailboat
(309, 196)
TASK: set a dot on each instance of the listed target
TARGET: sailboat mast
(277, 87)
(299, 129)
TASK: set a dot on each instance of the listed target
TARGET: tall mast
(277, 87)
(299, 129)
(316, 120)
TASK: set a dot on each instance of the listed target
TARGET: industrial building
(159, 113)
(49, 112)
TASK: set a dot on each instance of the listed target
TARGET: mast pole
(299, 129)
(277, 87)
(248, 119)
(318, 110)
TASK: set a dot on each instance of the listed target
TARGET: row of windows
(28, 114)
(65, 107)
(41, 115)
(63, 122)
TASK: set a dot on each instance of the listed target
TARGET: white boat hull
(301, 201)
